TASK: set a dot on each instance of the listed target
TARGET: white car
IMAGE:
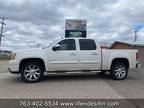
(74, 55)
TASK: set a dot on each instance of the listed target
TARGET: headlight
(12, 56)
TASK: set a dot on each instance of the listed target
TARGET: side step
(73, 73)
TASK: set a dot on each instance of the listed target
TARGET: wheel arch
(124, 60)
(39, 60)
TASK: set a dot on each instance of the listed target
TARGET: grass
(4, 57)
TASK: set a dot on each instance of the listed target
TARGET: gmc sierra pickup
(72, 55)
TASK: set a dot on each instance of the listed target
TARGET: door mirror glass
(56, 47)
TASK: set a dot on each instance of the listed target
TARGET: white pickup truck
(72, 55)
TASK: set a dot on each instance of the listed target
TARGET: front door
(64, 56)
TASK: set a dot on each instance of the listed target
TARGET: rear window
(87, 44)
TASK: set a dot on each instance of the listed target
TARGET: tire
(119, 71)
(32, 72)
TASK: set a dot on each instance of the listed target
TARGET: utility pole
(2, 24)
(38, 45)
(135, 39)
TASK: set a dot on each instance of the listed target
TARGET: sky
(33, 22)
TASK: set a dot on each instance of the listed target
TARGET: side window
(68, 44)
(87, 44)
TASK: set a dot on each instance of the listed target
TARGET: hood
(29, 50)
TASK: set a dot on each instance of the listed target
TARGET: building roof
(140, 43)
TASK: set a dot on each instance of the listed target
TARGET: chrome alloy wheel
(32, 72)
(120, 71)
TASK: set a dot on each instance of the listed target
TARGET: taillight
(137, 56)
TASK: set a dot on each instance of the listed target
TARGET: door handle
(94, 53)
(72, 54)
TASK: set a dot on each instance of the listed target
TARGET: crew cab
(73, 55)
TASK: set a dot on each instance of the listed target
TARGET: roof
(140, 43)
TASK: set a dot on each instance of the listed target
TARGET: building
(130, 45)
(104, 47)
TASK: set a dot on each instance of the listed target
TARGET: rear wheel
(119, 71)
(32, 72)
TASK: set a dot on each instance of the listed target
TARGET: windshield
(51, 44)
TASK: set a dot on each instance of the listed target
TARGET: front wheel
(32, 72)
(119, 71)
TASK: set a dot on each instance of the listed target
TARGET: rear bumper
(138, 65)
(13, 66)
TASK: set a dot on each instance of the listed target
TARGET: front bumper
(13, 66)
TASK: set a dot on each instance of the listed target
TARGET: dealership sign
(75, 28)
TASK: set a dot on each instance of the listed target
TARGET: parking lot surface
(71, 86)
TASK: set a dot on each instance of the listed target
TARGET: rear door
(89, 55)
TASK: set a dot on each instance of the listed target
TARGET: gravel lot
(71, 86)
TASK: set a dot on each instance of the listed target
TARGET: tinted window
(87, 44)
(68, 44)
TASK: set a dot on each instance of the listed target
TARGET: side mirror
(56, 47)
